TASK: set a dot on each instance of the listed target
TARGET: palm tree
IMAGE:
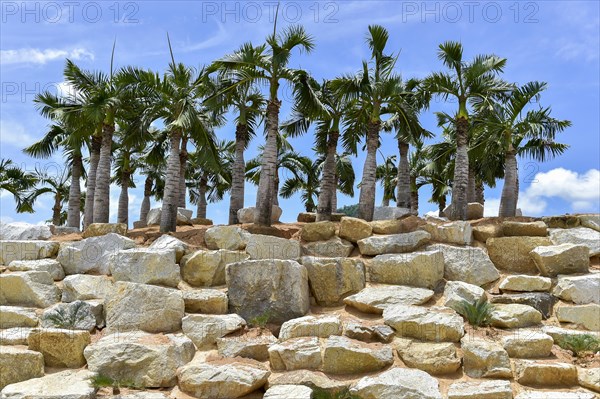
(55, 184)
(268, 63)
(153, 165)
(306, 181)
(17, 182)
(387, 174)
(377, 91)
(468, 83)
(513, 130)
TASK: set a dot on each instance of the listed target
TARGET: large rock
(14, 336)
(485, 359)
(311, 326)
(354, 229)
(319, 231)
(274, 288)
(184, 216)
(332, 248)
(145, 360)
(514, 316)
(558, 333)
(167, 242)
(268, 247)
(204, 330)
(18, 364)
(561, 259)
(587, 316)
(101, 229)
(456, 293)
(144, 307)
(578, 289)
(68, 384)
(562, 221)
(512, 253)
(205, 301)
(389, 212)
(226, 237)
(434, 358)
(24, 231)
(543, 302)
(589, 378)
(590, 221)
(247, 345)
(14, 316)
(545, 375)
(528, 344)
(425, 324)
(247, 215)
(524, 283)
(92, 255)
(313, 379)
(77, 315)
(146, 266)
(332, 279)
(295, 354)
(84, 287)
(555, 395)
(468, 264)
(207, 268)
(580, 236)
(398, 383)
(60, 347)
(222, 380)
(376, 298)
(51, 266)
(288, 392)
(406, 224)
(418, 269)
(528, 229)
(11, 250)
(35, 289)
(458, 232)
(487, 230)
(474, 211)
(494, 389)
(342, 355)
(393, 243)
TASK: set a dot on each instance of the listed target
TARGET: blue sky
(552, 41)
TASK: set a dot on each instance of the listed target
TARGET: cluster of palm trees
(109, 122)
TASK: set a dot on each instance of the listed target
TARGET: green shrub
(349, 210)
(478, 314)
(319, 393)
(580, 344)
(103, 381)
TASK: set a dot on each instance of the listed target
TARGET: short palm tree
(56, 184)
(17, 182)
(387, 174)
(304, 181)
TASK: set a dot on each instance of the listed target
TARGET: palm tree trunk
(276, 186)
(461, 171)
(123, 212)
(403, 185)
(88, 210)
(102, 193)
(145, 208)
(334, 206)
(183, 157)
(510, 190)
(414, 195)
(385, 201)
(471, 191)
(366, 202)
(480, 192)
(56, 209)
(74, 213)
(328, 186)
(168, 217)
(442, 206)
(265, 194)
(201, 210)
(236, 201)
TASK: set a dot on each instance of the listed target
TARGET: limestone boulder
(226, 237)
(143, 359)
(389, 212)
(60, 347)
(482, 232)
(514, 316)
(342, 355)
(393, 243)
(295, 354)
(332, 279)
(425, 324)
(92, 255)
(332, 248)
(554, 394)
(528, 229)
(247, 345)
(319, 231)
(144, 307)
(543, 302)
(512, 253)
(101, 229)
(288, 391)
(578, 289)
(456, 293)
(18, 364)
(310, 378)
(268, 247)
(24, 231)
(33, 289)
(562, 221)
(561, 259)
(277, 289)
(485, 359)
(206, 301)
(458, 232)
(493, 389)
(375, 299)
(468, 264)
(15, 316)
(474, 211)
(578, 236)
(311, 326)
(77, 315)
(207, 268)
(247, 215)
(222, 380)
(84, 287)
(589, 378)
(398, 383)
(545, 375)
(68, 384)
(204, 330)
(528, 344)
(559, 333)
(52, 266)
(15, 336)
(433, 358)
(11, 250)
(354, 229)
(184, 216)
(146, 266)
(590, 221)
(406, 224)
(587, 316)
(524, 283)
(167, 242)
(418, 269)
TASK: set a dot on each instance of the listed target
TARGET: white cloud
(14, 133)
(42, 56)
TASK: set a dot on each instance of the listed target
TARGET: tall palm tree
(305, 180)
(153, 165)
(17, 182)
(268, 63)
(467, 82)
